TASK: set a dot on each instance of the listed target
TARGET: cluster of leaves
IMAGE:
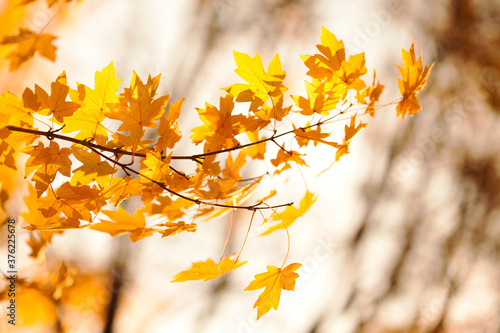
(88, 150)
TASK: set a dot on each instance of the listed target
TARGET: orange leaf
(290, 214)
(27, 43)
(413, 80)
(168, 132)
(122, 222)
(138, 108)
(274, 280)
(93, 168)
(47, 161)
(55, 104)
(175, 228)
(207, 270)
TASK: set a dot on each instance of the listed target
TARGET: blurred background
(405, 234)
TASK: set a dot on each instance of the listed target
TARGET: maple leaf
(13, 112)
(325, 65)
(94, 105)
(175, 228)
(132, 142)
(122, 222)
(6, 150)
(350, 131)
(168, 132)
(27, 43)
(233, 166)
(413, 80)
(118, 189)
(373, 93)
(137, 107)
(172, 209)
(220, 126)
(93, 168)
(320, 98)
(47, 161)
(351, 71)
(74, 201)
(261, 85)
(283, 159)
(290, 214)
(220, 189)
(273, 281)
(37, 221)
(256, 151)
(155, 167)
(307, 133)
(55, 104)
(207, 270)
(277, 111)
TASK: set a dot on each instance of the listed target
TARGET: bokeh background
(405, 234)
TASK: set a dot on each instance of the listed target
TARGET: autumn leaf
(137, 107)
(47, 161)
(6, 150)
(93, 168)
(118, 189)
(413, 80)
(13, 112)
(132, 142)
(274, 280)
(290, 214)
(373, 93)
(220, 126)
(37, 221)
(56, 103)
(155, 168)
(174, 228)
(74, 201)
(27, 43)
(307, 133)
(261, 85)
(122, 222)
(207, 270)
(283, 159)
(88, 120)
(350, 131)
(168, 132)
(320, 99)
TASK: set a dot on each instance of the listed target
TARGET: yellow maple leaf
(413, 79)
(93, 168)
(88, 120)
(207, 270)
(122, 222)
(261, 85)
(274, 280)
(290, 214)
(13, 112)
